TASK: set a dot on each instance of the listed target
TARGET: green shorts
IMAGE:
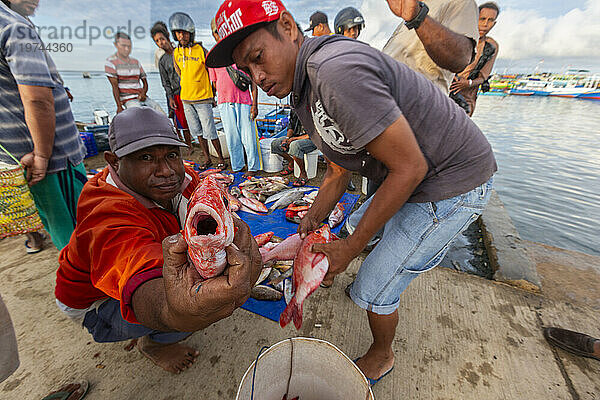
(56, 200)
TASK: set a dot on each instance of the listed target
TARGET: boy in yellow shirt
(196, 90)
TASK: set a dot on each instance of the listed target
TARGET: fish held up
(209, 227)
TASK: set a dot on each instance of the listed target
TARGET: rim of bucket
(300, 338)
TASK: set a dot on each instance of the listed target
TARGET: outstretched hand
(405, 9)
(194, 303)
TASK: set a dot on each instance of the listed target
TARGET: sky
(551, 35)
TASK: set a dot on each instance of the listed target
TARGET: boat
(531, 86)
(86, 75)
(594, 95)
(520, 92)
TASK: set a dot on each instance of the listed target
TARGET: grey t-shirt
(346, 94)
(168, 75)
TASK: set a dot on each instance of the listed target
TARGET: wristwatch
(418, 20)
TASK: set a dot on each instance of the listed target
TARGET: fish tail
(293, 311)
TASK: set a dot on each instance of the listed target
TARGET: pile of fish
(292, 257)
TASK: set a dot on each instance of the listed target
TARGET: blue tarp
(277, 223)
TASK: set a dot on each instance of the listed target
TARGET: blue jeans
(200, 120)
(414, 240)
(106, 324)
(298, 148)
(241, 135)
(146, 103)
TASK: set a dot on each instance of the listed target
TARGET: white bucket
(318, 370)
(310, 163)
(223, 141)
(271, 162)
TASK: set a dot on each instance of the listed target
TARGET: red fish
(208, 227)
(309, 270)
(263, 238)
(254, 205)
(336, 216)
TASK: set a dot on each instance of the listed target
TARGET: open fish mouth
(205, 221)
(204, 224)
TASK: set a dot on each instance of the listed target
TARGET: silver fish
(264, 274)
(279, 278)
(286, 200)
(248, 194)
(279, 195)
(235, 191)
(262, 292)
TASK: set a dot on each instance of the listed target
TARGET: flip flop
(576, 343)
(287, 171)
(80, 390)
(32, 250)
(374, 381)
(205, 166)
(300, 182)
(222, 166)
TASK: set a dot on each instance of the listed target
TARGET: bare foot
(174, 357)
(374, 364)
(248, 174)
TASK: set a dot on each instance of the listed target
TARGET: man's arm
(182, 301)
(254, 108)
(331, 191)
(398, 149)
(144, 90)
(449, 50)
(115, 91)
(38, 105)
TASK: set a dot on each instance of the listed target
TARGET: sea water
(547, 149)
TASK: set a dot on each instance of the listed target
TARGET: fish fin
(293, 311)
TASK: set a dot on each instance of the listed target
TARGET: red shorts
(179, 114)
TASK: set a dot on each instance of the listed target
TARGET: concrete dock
(459, 337)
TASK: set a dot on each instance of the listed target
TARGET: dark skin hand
(447, 49)
(174, 303)
(398, 149)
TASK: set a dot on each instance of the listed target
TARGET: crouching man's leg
(414, 241)
(106, 324)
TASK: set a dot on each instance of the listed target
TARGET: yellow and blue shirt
(195, 82)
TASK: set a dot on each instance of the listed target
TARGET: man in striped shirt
(127, 77)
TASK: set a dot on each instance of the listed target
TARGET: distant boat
(595, 95)
(87, 75)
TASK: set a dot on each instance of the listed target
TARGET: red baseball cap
(236, 19)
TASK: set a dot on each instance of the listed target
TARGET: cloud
(521, 33)
(526, 33)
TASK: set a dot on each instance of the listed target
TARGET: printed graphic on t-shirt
(329, 131)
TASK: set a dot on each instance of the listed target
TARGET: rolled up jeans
(9, 354)
(106, 324)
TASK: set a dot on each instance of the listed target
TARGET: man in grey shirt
(369, 113)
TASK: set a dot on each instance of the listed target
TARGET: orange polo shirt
(117, 242)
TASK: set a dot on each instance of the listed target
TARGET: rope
(10, 155)
(254, 371)
(287, 390)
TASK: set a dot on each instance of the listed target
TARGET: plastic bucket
(314, 368)
(223, 141)
(310, 164)
(271, 162)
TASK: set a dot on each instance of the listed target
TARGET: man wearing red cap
(433, 165)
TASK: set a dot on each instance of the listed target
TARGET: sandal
(205, 166)
(300, 182)
(74, 391)
(289, 170)
(222, 166)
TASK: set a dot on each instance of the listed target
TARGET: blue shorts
(414, 240)
(200, 120)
